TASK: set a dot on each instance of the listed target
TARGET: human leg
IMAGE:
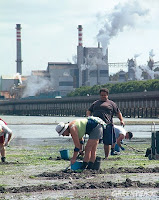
(106, 150)
(2, 149)
(108, 139)
(90, 150)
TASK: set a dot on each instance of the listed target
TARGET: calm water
(44, 126)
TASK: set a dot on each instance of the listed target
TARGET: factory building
(91, 69)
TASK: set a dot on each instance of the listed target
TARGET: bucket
(64, 154)
(77, 165)
(97, 163)
(117, 148)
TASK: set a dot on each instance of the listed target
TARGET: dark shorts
(109, 135)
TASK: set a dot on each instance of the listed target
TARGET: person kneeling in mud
(93, 126)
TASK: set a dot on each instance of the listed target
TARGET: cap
(61, 127)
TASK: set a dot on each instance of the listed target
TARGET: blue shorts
(109, 135)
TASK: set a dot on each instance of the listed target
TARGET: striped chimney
(19, 60)
(80, 35)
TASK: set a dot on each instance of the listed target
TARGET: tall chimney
(19, 59)
(80, 35)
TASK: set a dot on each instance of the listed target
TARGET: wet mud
(86, 174)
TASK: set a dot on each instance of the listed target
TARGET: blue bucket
(64, 154)
(77, 165)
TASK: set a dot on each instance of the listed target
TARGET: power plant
(60, 78)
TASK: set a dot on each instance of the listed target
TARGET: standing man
(106, 109)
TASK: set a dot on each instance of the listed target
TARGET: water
(44, 126)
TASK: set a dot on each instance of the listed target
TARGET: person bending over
(120, 134)
(93, 126)
(4, 130)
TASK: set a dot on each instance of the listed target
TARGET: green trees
(114, 88)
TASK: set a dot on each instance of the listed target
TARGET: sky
(129, 28)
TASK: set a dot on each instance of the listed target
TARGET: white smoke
(122, 16)
(137, 55)
(36, 85)
(92, 63)
(138, 73)
(18, 76)
(151, 53)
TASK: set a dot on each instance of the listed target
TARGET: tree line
(114, 88)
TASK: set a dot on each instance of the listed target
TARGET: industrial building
(91, 69)
(60, 78)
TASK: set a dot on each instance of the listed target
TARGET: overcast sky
(49, 30)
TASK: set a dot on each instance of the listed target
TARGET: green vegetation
(114, 88)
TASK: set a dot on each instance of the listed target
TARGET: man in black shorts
(106, 109)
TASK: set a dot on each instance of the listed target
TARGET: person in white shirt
(4, 130)
(120, 134)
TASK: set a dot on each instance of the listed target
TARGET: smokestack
(19, 60)
(80, 35)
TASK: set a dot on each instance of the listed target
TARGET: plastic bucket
(117, 148)
(77, 165)
(64, 154)
(97, 163)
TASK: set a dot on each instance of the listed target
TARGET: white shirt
(5, 129)
(119, 130)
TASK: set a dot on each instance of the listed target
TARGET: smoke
(121, 17)
(93, 62)
(137, 55)
(19, 78)
(151, 53)
(36, 85)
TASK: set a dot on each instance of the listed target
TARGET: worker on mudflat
(93, 126)
(4, 130)
(120, 134)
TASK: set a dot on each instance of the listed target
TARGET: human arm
(88, 113)
(119, 115)
(74, 134)
(119, 139)
(8, 131)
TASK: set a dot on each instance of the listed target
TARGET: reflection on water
(44, 127)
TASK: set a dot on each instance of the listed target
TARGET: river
(44, 126)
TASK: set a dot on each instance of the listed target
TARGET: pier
(139, 104)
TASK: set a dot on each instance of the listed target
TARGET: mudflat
(35, 170)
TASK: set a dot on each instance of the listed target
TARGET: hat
(61, 127)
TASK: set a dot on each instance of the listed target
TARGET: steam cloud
(36, 85)
(151, 53)
(19, 78)
(121, 17)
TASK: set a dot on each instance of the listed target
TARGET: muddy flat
(35, 170)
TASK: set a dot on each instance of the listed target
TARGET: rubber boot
(84, 165)
(90, 165)
(3, 159)
(112, 151)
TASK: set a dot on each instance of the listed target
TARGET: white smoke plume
(121, 17)
(36, 85)
(17, 75)
(151, 53)
(92, 62)
(137, 55)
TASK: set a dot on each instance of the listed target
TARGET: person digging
(93, 126)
